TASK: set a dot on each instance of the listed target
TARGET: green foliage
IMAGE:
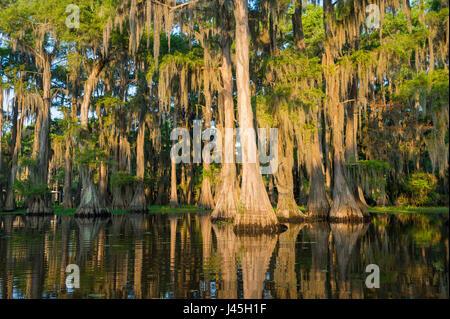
(122, 178)
(371, 165)
(27, 188)
(421, 187)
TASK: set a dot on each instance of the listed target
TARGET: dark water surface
(185, 256)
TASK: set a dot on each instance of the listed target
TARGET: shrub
(421, 188)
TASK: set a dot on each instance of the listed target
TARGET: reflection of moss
(427, 236)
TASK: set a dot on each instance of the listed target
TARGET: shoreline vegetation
(166, 209)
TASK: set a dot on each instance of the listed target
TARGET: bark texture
(227, 198)
(317, 207)
(255, 213)
(139, 202)
(38, 204)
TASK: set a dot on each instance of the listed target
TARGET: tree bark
(16, 143)
(317, 207)
(344, 208)
(68, 157)
(67, 191)
(297, 26)
(206, 200)
(256, 213)
(351, 151)
(173, 201)
(139, 202)
(90, 205)
(227, 200)
(287, 208)
(38, 203)
(1, 148)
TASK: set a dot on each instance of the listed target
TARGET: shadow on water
(186, 256)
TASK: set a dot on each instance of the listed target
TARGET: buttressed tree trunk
(317, 206)
(1, 149)
(351, 152)
(68, 163)
(139, 202)
(206, 200)
(38, 203)
(173, 202)
(16, 140)
(287, 208)
(227, 200)
(344, 208)
(89, 203)
(256, 213)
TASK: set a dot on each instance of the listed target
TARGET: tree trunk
(90, 205)
(317, 207)
(68, 157)
(16, 143)
(139, 203)
(38, 203)
(344, 208)
(287, 208)
(173, 202)
(1, 149)
(227, 200)
(206, 200)
(67, 191)
(351, 151)
(256, 213)
(297, 26)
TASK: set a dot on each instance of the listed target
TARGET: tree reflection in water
(185, 256)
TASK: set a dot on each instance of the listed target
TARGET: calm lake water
(185, 256)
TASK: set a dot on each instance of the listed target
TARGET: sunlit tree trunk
(206, 200)
(16, 143)
(139, 202)
(38, 203)
(287, 208)
(256, 212)
(227, 200)
(1, 148)
(317, 206)
(90, 204)
(68, 159)
(351, 151)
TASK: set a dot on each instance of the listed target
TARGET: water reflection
(185, 256)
